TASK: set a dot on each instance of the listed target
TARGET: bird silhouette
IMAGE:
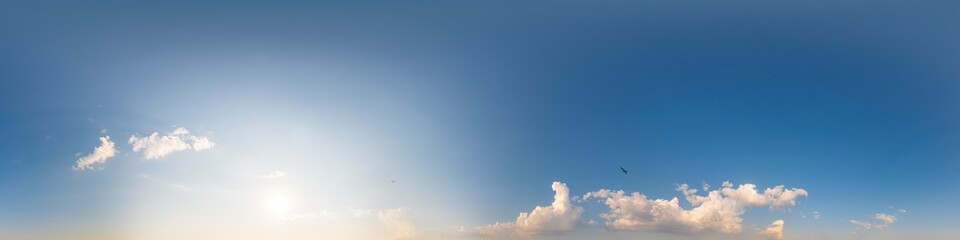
(623, 170)
(393, 181)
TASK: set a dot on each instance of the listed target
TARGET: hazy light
(277, 203)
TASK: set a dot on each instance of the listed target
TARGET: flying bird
(623, 170)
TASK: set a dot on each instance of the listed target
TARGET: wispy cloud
(867, 225)
(885, 218)
(157, 146)
(308, 216)
(359, 213)
(197, 189)
(175, 186)
(398, 220)
(99, 155)
(879, 221)
(274, 174)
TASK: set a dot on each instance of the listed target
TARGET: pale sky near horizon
(479, 120)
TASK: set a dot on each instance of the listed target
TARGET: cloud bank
(156, 146)
(99, 155)
(719, 211)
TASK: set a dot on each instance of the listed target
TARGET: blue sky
(476, 109)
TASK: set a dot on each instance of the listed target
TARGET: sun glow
(277, 203)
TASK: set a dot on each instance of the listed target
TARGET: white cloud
(560, 216)
(636, 212)
(719, 211)
(99, 155)
(773, 231)
(180, 131)
(867, 225)
(815, 215)
(157, 146)
(201, 143)
(274, 174)
(399, 222)
(777, 197)
(359, 213)
(885, 218)
(881, 221)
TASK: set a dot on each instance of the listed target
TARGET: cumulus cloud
(718, 211)
(773, 231)
(635, 211)
(880, 221)
(560, 216)
(201, 143)
(398, 221)
(157, 146)
(99, 155)
(777, 197)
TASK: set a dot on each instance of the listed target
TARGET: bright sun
(277, 203)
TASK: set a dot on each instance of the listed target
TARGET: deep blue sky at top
(855, 102)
